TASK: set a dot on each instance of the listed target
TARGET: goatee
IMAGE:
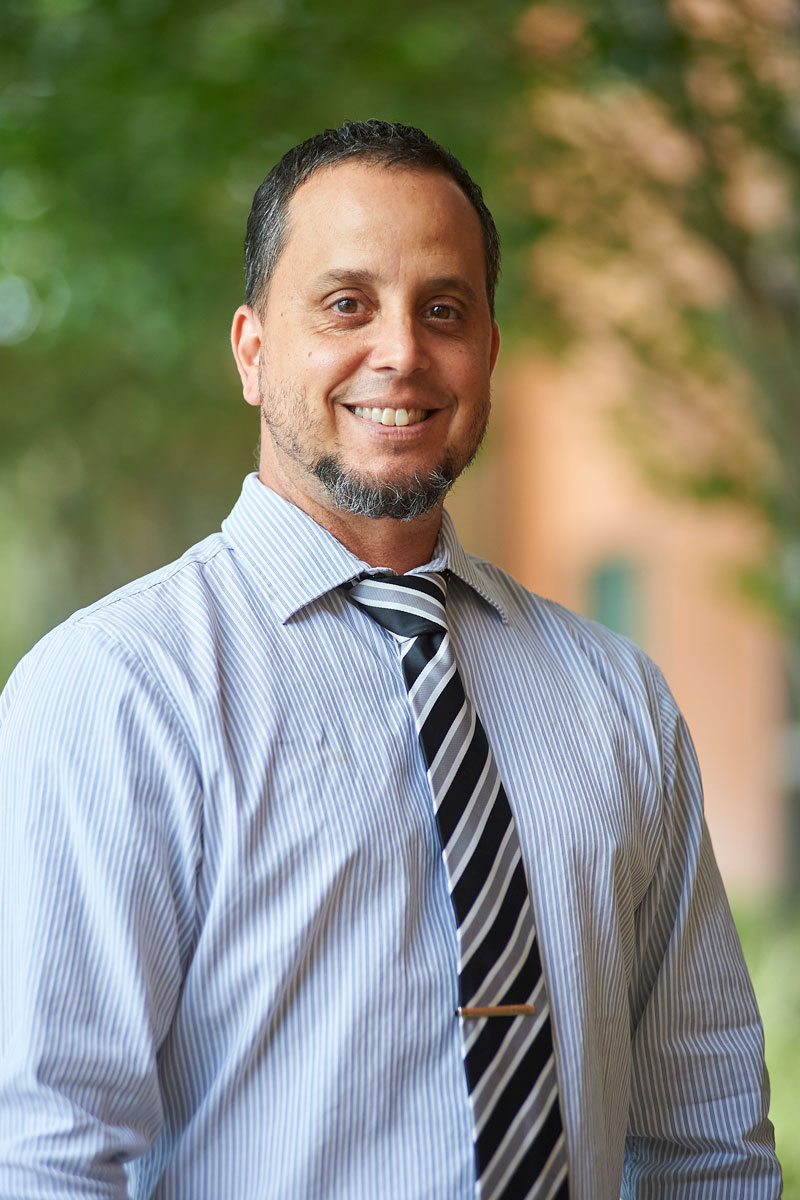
(404, 499)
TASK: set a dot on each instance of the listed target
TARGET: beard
(404, 497)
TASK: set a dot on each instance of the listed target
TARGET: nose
(398, 344)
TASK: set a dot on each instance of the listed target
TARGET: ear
(495, 346)
(246, 341)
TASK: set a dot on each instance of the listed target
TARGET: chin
(403, 497)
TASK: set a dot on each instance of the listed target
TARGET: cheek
(332, 361)
(468, 363)
(471, 378)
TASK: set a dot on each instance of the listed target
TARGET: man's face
(376, 342)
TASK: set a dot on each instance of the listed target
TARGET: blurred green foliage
(771, 943)
(133, 134)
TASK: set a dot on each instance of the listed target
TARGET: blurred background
(642, 159)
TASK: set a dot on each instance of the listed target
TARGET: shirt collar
(298, 561)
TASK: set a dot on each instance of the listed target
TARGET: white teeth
(391, 416)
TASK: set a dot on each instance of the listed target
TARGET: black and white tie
(507, 1039)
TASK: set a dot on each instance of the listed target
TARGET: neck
(398, 545)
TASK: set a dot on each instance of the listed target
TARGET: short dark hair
(384, 142)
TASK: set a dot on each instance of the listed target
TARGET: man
(237, 956)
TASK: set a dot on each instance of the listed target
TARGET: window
(612, 595)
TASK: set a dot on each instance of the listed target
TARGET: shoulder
(141, 639)
(586, 654)
(168, 599)
(555, 623)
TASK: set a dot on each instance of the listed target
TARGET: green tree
(133, 134)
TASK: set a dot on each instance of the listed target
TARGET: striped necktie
(505, 1020)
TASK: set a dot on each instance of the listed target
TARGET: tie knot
(406, 605)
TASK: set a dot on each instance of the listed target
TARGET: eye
(442, 312)
(346, 305)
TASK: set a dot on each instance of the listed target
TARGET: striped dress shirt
(227, 950)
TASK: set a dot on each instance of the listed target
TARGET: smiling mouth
(392, 416)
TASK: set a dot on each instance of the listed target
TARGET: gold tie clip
(497, 1010)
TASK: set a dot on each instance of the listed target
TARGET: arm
(698, 1121)
(98, 849)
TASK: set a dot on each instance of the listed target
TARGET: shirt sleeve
(700, 1094)
(99, 847)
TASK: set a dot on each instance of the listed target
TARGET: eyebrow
(350, 277)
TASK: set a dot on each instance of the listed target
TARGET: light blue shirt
(228, 956)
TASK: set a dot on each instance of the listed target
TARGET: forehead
(368, 209)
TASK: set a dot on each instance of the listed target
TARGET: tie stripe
(508, 1060)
